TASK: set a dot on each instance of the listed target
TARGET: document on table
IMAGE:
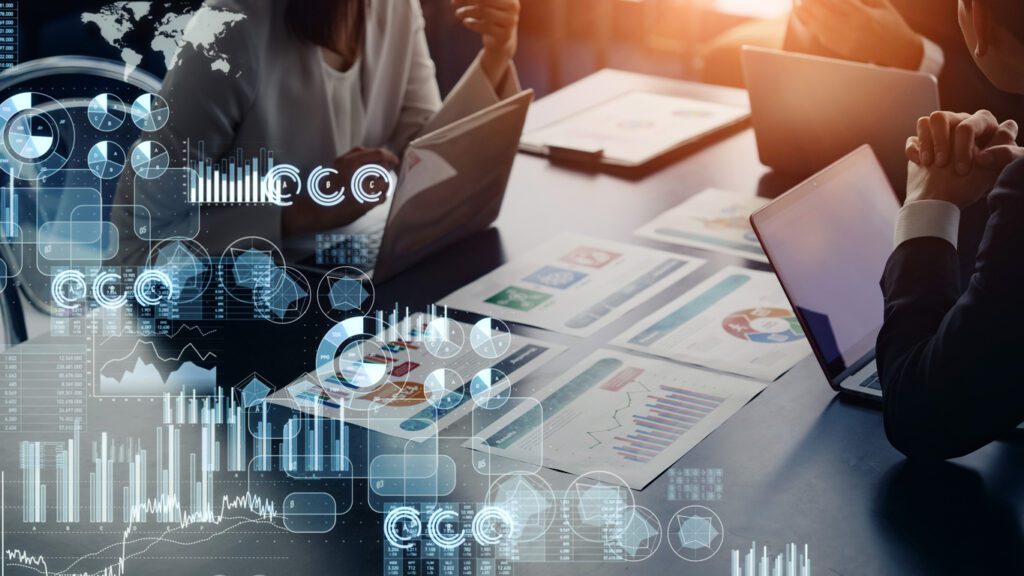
(716, 220)
(573, 284)
(412, 403)
(619, 413)
(636, 127)
(738, 321)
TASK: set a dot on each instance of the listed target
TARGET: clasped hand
(957, 157)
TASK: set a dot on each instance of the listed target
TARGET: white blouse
(345, 98)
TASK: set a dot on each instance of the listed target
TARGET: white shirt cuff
(934, 59)
(927, 218)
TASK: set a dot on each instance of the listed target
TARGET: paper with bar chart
(716, 220)
(573, 284)
(738, 321)
(619, 413)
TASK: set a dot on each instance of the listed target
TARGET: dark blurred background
(561, 40)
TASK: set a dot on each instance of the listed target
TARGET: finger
(999, 157)
(924, 137)
(491, 15)
(1006, 134)
(938, 123)
(967, 135)
(486, 28)
(913, 150)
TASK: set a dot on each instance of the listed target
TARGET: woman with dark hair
(334, 83)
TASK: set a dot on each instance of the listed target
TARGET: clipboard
(631, 129)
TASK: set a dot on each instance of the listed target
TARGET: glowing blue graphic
(491, 525)
(443, 338)
(641, 534)
(253, 268)
(68, 289)
(347, 294)
(150, 160)
(529, 501)
(276, 184)
(187, 271)
(365, 182)
(254, 392)
(309, 512)
(696, 533)
(443, 389)
(152, 287)
(150, 112)
(490, 388)
(105, 292)
(106, 160)
(348, 358)
(441, 529)
(106, 112)
(36, 136)
(285, 296)
(791, 563)
(324, 188)
(402, 527)
(490, 338)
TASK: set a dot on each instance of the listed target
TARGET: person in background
(949, 360)
(335, 83)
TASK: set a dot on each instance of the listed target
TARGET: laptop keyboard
(873, 383)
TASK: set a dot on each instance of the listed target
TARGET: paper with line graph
(619, 413)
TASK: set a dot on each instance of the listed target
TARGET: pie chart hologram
(106, 160)
(106, 112)
(36, 136)
(150, 112)
(150, 160)
(490, 338)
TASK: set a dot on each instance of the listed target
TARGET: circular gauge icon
(443, 389)
(490, 338)
(36, 136)
(188, 265)
(345, 292)
(695, 533)
(490, 388)
(355, 361)
(106, 160)
(529, 501)
(595, 506)
(150, 112)
(443, 338)
(106, 112)
(150, 160)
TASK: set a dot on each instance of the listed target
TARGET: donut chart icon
(150, 112)
(36, 136)
(764, 326)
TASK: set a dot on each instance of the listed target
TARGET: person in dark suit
(949, 361)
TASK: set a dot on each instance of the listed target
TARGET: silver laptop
(828, 240)
(452, 186)
(808, 111)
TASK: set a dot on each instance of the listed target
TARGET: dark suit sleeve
(952, 364)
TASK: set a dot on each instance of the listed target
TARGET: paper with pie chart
(737, 321)
(715, 220)
(428, 392)
(617, 412)
(573, 284)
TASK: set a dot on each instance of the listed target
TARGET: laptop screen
(828, 240)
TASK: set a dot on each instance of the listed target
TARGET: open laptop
(828, 240)
(809, 111)
(451, 185)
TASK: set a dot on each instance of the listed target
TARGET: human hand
(497, 22)
(943, 183)
(306, 216)
(962, 139)
(863, 30)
